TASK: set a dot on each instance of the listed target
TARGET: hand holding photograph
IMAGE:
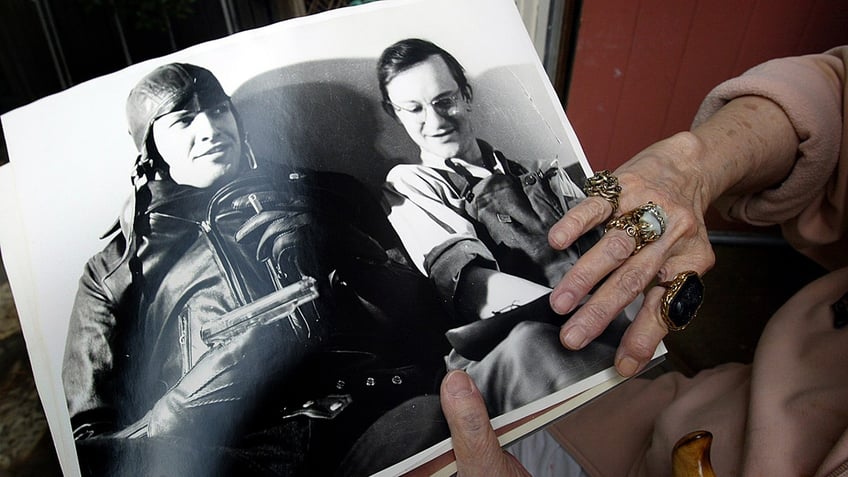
(303, 228)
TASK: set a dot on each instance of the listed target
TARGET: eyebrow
(175, 116)
(439, 96)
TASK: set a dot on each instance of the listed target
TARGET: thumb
(475, 444)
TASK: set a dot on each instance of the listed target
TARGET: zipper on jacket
(236, 286)
(185, 341)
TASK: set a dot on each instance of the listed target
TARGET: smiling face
(201, 146)
(430, 106)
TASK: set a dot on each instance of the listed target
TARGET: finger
(283, 243)
(256, 222)
(648, 328)
(642, 337)
(475, 444)
(606, 303)
(697, 256)
(284, 226)
(577, 221)
(613, 249)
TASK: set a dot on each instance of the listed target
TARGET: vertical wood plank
(602, 54)
(641, 68)
(659, 44)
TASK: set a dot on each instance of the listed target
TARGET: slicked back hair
(407, 53)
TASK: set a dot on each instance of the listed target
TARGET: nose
(204, 127)
(432, 119)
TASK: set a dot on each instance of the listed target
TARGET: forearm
(810, 91)
(746, 146)
(482, 292)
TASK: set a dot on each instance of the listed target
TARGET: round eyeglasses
(446, 106)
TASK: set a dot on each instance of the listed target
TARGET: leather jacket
(135, 325)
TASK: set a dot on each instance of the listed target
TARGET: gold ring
(682, 299)
(604, 184)
(645, 224)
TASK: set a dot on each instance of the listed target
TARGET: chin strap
(248, 154)
(142, 171)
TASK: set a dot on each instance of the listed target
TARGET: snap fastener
(370, 382)
(397, 380)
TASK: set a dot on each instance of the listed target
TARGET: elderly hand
(477, 450)
(669, 174)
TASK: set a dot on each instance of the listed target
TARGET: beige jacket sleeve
(812, 202)
(785, 414)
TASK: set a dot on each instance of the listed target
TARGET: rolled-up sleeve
(428, 218)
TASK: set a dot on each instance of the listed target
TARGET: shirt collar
(493, 161)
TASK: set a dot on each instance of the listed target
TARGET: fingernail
(458, 384)
(558, 238)
(627, 366)
(563, 303)
(574, 338)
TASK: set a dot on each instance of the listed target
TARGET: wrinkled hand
(477, 450)
(668, 174)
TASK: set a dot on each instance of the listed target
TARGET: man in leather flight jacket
(208, 234)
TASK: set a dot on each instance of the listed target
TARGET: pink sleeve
(812, 202)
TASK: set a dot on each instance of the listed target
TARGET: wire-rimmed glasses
(445, 106)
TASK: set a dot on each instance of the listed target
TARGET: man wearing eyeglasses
(476, 224)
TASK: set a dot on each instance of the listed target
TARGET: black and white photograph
(261, 254)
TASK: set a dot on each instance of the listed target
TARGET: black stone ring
(682, 299)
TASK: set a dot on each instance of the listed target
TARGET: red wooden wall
(641, 67)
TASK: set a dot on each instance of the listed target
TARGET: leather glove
(224, 387)
(277, 230)
(303, 238)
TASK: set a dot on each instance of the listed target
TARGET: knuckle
(577, 220)
(473, 422)
(619, 246)
(642, 346)
(580, 278)
(686, 221)
(595, 315)
(597, 206)
(699, 257)
(569, 224)
(632, 282)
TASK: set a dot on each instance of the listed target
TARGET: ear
(468, 94)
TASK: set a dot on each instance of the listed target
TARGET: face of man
(430, 106)
(201, 146)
